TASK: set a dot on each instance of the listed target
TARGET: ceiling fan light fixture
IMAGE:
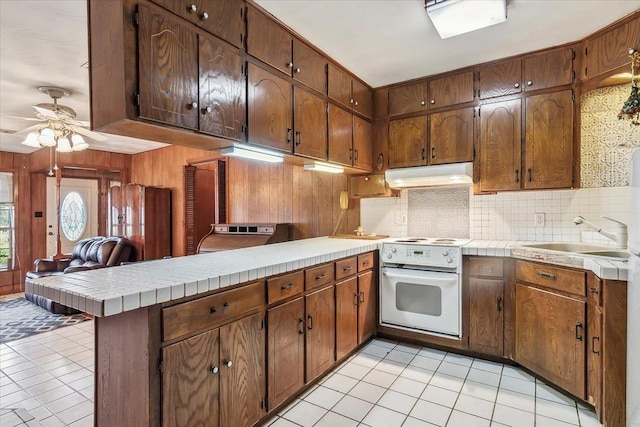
(47, 138)
(78, 142)
(64, 146)
(455, 17)
(32, 140)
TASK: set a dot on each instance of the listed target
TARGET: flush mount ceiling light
(252, 153)
(455, 17)
(323, 167)
(631, 107)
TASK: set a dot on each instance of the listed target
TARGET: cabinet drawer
(365, 262)
(486, 267)
(346, 267)
(318, 276)
(285, 286)
(552, 277)
(210, 311)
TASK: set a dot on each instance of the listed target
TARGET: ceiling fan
(61, 129)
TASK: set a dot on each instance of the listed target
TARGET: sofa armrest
(48, 264)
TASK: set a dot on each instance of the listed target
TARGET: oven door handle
(437, 277)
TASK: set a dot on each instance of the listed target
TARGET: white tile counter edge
(109, 291)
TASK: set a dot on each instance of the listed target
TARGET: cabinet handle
(322, 276)
(194, 105)
(289, 135)
(355, 156)
(229, 363)
(310, 320)
(529, 175)
(285, 287)
(579, 331)
(547, 275)
(433, 152)
(365, 263)
(593, 290)
(289, 64)
(361, 297)
(517, 85)
(423, 103)
(355, 299)
(345, 269)
(223, 308)
(297, 70)
(298, 137)
(529, 82)
(499, 304)
(433, 101)
(301, 324)
(192, 8)
(204, 16)
(593, 345)
(424, 154)
(517, 175)
(214, 369)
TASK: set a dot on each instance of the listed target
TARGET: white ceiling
(44, 43)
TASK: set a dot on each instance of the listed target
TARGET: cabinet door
(340, 135)
(408, 98)
(549, 335)
(368, 186)
(222, 89)
(225, 19)
(242, 379)
(549, 141)
(190, 379)
(310, 123)
(500, 146)
(285, 349)
(168, 64)
(269, 102)
(486, 316)
(339, 85)
(268, 41)
(346, 317)
(451, 90)
(362, 98)
(367, 308)
(309, 67)
(362, 150)
(408, 142)
(610, 50)
(451, 137)
(548, 69)
(594, 343)
(503, 78)
(321, 332)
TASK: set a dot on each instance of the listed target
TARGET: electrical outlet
(403, 219)
(538, 220)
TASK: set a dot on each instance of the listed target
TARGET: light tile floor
(47, 380)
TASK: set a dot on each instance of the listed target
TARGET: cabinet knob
(229, 363)
(351, 101)
(355, 103)
(433, 101)
(297, 70)
(529, 82)
(194, 104)
(423, 103)
(192, 8)
(214, 369)
(204, 16)
(207, 109)
(517, 85)
(290, 64)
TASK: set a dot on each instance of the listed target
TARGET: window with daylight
(73, 216)
(7, 222)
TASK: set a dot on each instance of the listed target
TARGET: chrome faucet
(619, 236)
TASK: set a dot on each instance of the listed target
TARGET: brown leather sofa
(87, 254)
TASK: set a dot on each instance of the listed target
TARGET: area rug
(20, 318)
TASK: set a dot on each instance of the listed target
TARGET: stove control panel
(422, 255)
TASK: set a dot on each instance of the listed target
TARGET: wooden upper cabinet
(408, 142)
(222, 89)
(548, 69)
(362, 98)
(223, 18)
(503, 78)
(268, 41)
(451, 137)
(409, 98)
(362, 150)
(310, 124)
(168, 64)
(339, 85)
(610, 50)
(451, 90)
(340, 136)
(269, 105)
(500, 145)
(309, 67)
(549, 141)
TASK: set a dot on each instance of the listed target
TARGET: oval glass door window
(73, 216)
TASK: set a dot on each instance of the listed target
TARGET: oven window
(420, 299)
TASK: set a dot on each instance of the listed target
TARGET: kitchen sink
(608, 254)
(567, 247)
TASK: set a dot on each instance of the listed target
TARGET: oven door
(427, 301)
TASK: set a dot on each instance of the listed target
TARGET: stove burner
(445, 241)
(410, 240)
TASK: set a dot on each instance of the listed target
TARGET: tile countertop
(109, 291)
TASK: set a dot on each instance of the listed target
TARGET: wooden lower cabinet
(216, 378)
(285, 347)
(346, 316)
(550, 337)
(367, 306)
(320, 332)
(486, 316)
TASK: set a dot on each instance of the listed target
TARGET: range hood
(429, 176)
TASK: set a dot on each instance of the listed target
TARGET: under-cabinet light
(252, 153)
(323, 167)
(455, 17)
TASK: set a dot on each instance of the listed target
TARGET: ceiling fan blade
(29, 119)
(75, 122)
(27, 130)
(89, 134)
(46, 113)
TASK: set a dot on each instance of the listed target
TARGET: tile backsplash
(502, 216)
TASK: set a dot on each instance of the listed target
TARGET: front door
(78, 212)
